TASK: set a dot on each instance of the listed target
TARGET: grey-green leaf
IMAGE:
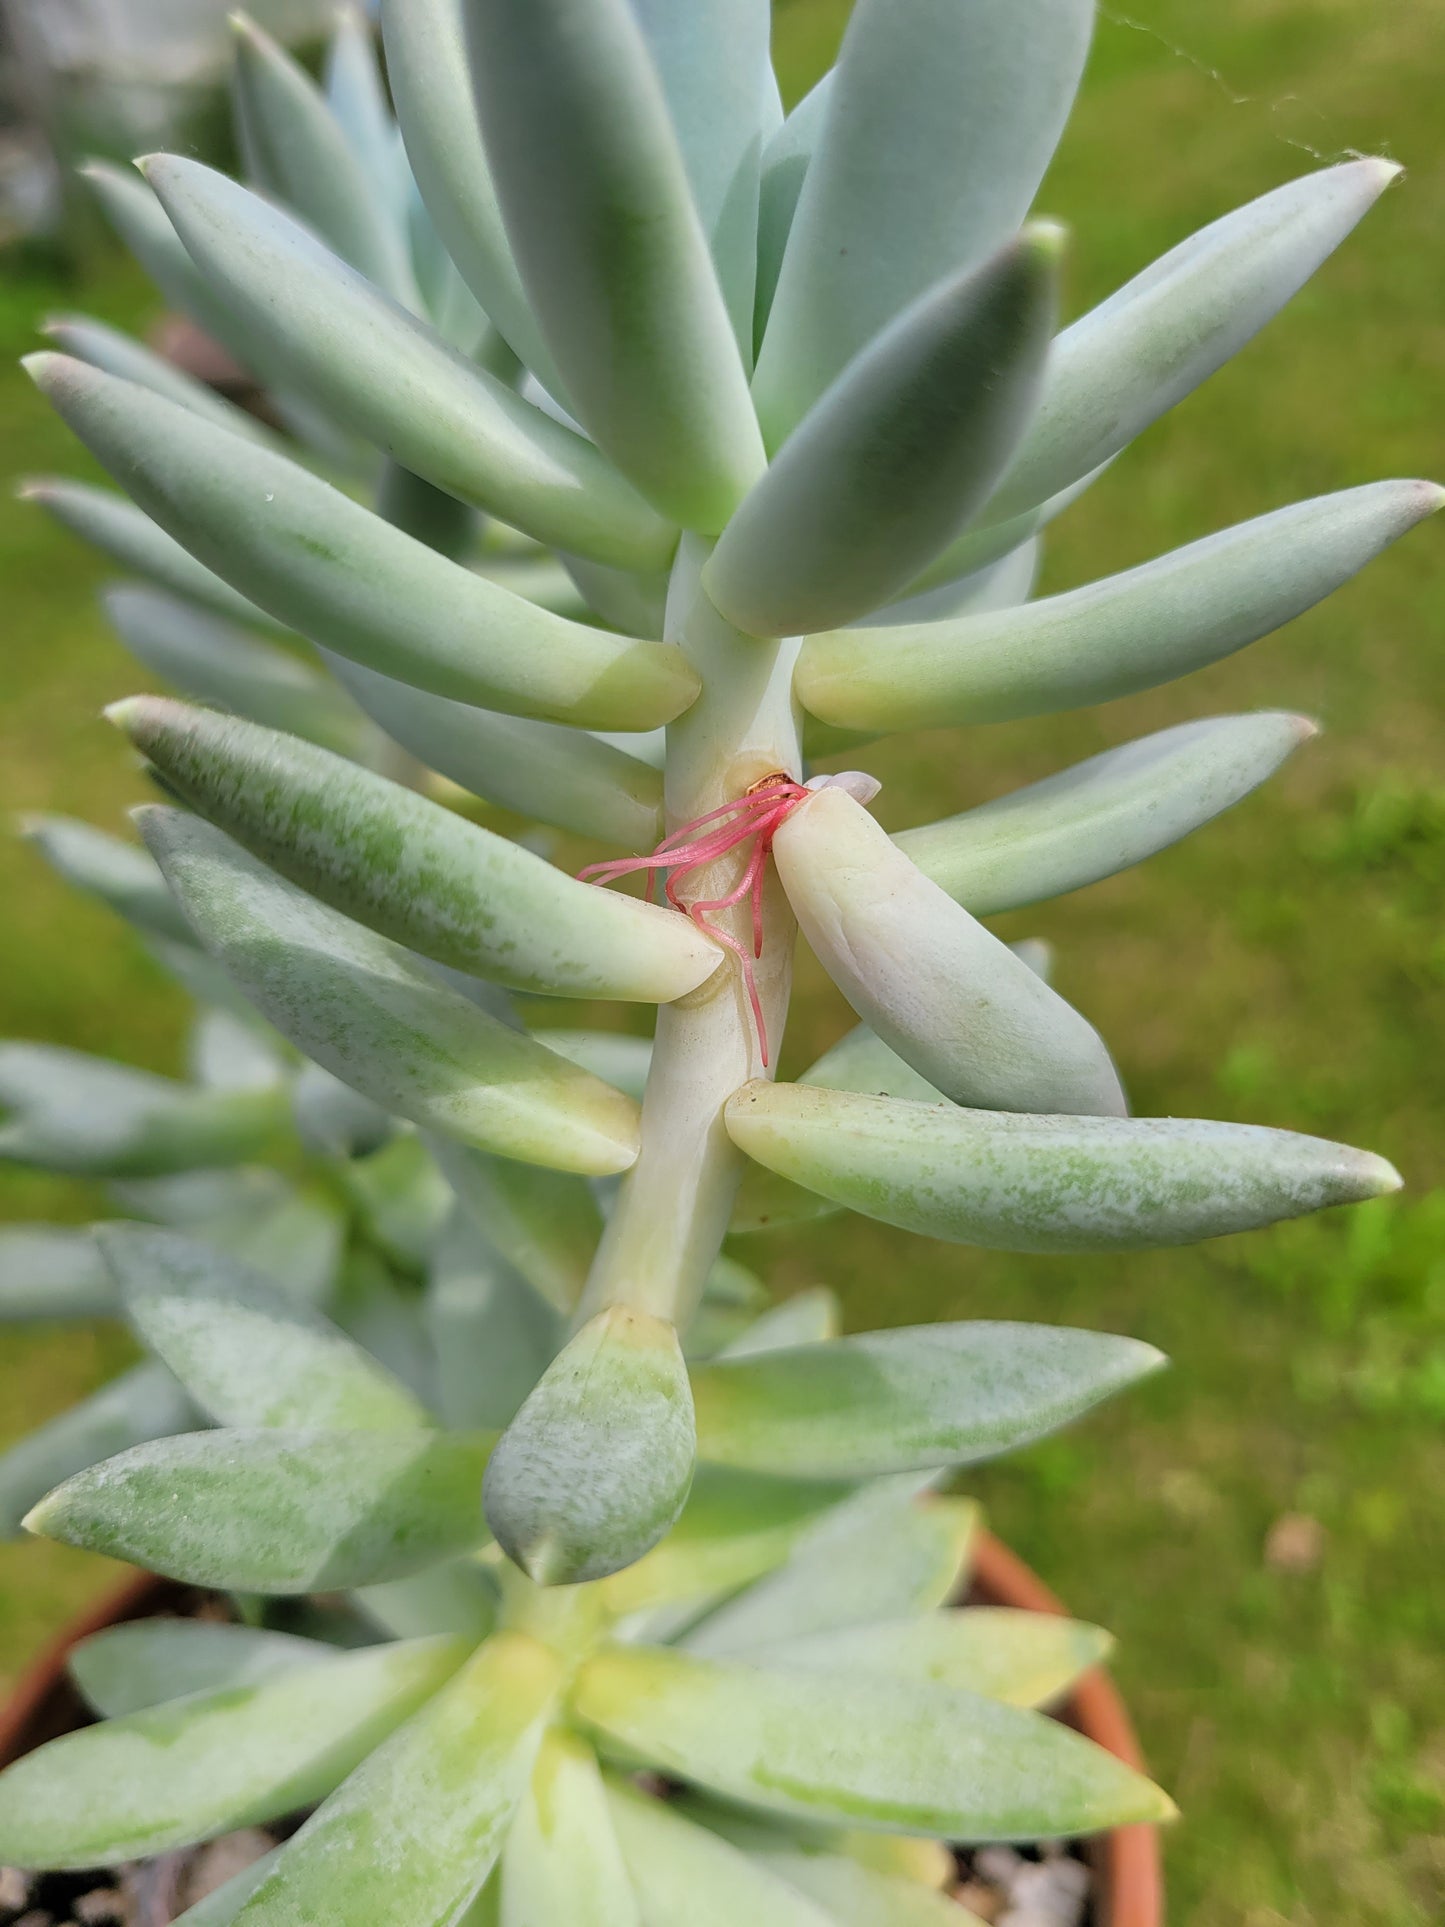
(545, 1224)
(278, 1512)
(142, 1404)
(611, 251)
(562, 1861)
(121, 354)
(413, 870)
(682, 1872)
(120, 875)
(145, 1785)
(494, 1336)
(146, 1662)
(52, 1271)
(967, 103)
(1020, 1183)
(896, 456)
(1100, 816)
(786, 160)
(1128, 632)
(359, 1006)
(321, 563)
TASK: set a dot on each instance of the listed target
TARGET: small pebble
(1294, 1543)
(100, 1904)
(36, 1918)
(14, 1890)
(219, 1862)
(984, 1902)
(998, 1865)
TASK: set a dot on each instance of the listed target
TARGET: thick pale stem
(674, 1205)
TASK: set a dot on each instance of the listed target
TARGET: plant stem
(673, 1207)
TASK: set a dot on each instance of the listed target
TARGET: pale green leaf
(611, 250)
(939, 989)
(401, 1199)
(1020, 1183)
(858, 1751)
(608, 1054)
(785, 163)
(545, 1224)
(146, 1662)
(145, 1785)
(52, 1271)
(562, 1861)
(120, 875)
(807, 1318)
(1099, 816)
(597, 1464)
(1001, 584)
(966, 103)
(412, 870)
(121, 354)
(494, 1336)
(766, 1202)
(854, 1895)
(324, 565)
(278, 1512)
(143, 1403)
(888, 466)
(1111, 638)
(684, 1873)
(861, 1061)
(363, 1009)
(355, 91)
(458, 1598)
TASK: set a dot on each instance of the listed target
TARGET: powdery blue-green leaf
(127, 535)
(898, 453)
(52, 1271)
(683, 1872)
(1027, 1659)
(494, 1335)
(1019, 1183)
(324, 565)
(861, 1061)
(807, 1318)
(278, 1512)
(363, 1009)
(611, 250)
(295, 151)
(559, 775)
(144, 1403)
(413, 870)
(427, 70)
(219, 662)
(861, 1752)
(785, 163)
(624, 599)
(120, 875)
(967, 104)
(89, 1117)
(562, 1861)
(904, 1401)
(414, 1833)
(121, 354)
(459, 1597)
(389, 376)
(545, 1224)
(1002, 584)
(158, 1780)
(1128, 632)
(248, 1352)
(1101, 815)
(1133, 357)
(146, 1662)
(894, 1549)
(938, 988)
(716, 73)
(597, 1464)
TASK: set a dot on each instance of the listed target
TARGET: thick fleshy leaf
(616, 1058)
(390, 377)
(324, 565)
(147, 1662)
(891, 1550)
(427, 70)
(413, 870)
(1100, 816)
(860, 1752)
(1024, 1658)
(414, 1833)
(355, 91)
(786, 160)
(1128, 632)
(52, 1271)
(597, 1464)
(247, 1352)
(562, 1861)
(896, 456)
(807, 1318)
(127, 535)
(861, 1061)
(142, 1786)
(493, 1334)
(967, 102)
(715, 68)
(401, 1199)
(1133, 357)
(905, 1401)
(144, 1403)
(121, 875)
(854, 1895)
(363, 1009)
(611, 251)
(218, 662)
(121, 354)
(295, 151)
(459, 1597)
(559, 775)
(682, 1872)
(1018, 1183)
(277, 1512)
(766, 1202)
(927, 1867)
(1003, 584)
(545, 1224)
(938, 988)
(65, 1111)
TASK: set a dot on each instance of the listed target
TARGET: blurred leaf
(562, 1861)
(148, 1662)
(120, 875)
(494, 1336)
(807, 1318)
(52, 1271)
(545, 1224)
(144, 1403)
(682, 1872)
(785, 163)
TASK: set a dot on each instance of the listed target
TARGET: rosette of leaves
(776, 1714)
(791, 421)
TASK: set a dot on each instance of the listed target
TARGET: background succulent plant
(631, 225)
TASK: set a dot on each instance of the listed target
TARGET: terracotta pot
(1126, 1861)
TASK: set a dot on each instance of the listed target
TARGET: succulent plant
(766, 427)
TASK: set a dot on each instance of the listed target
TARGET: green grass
(1287, 965)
